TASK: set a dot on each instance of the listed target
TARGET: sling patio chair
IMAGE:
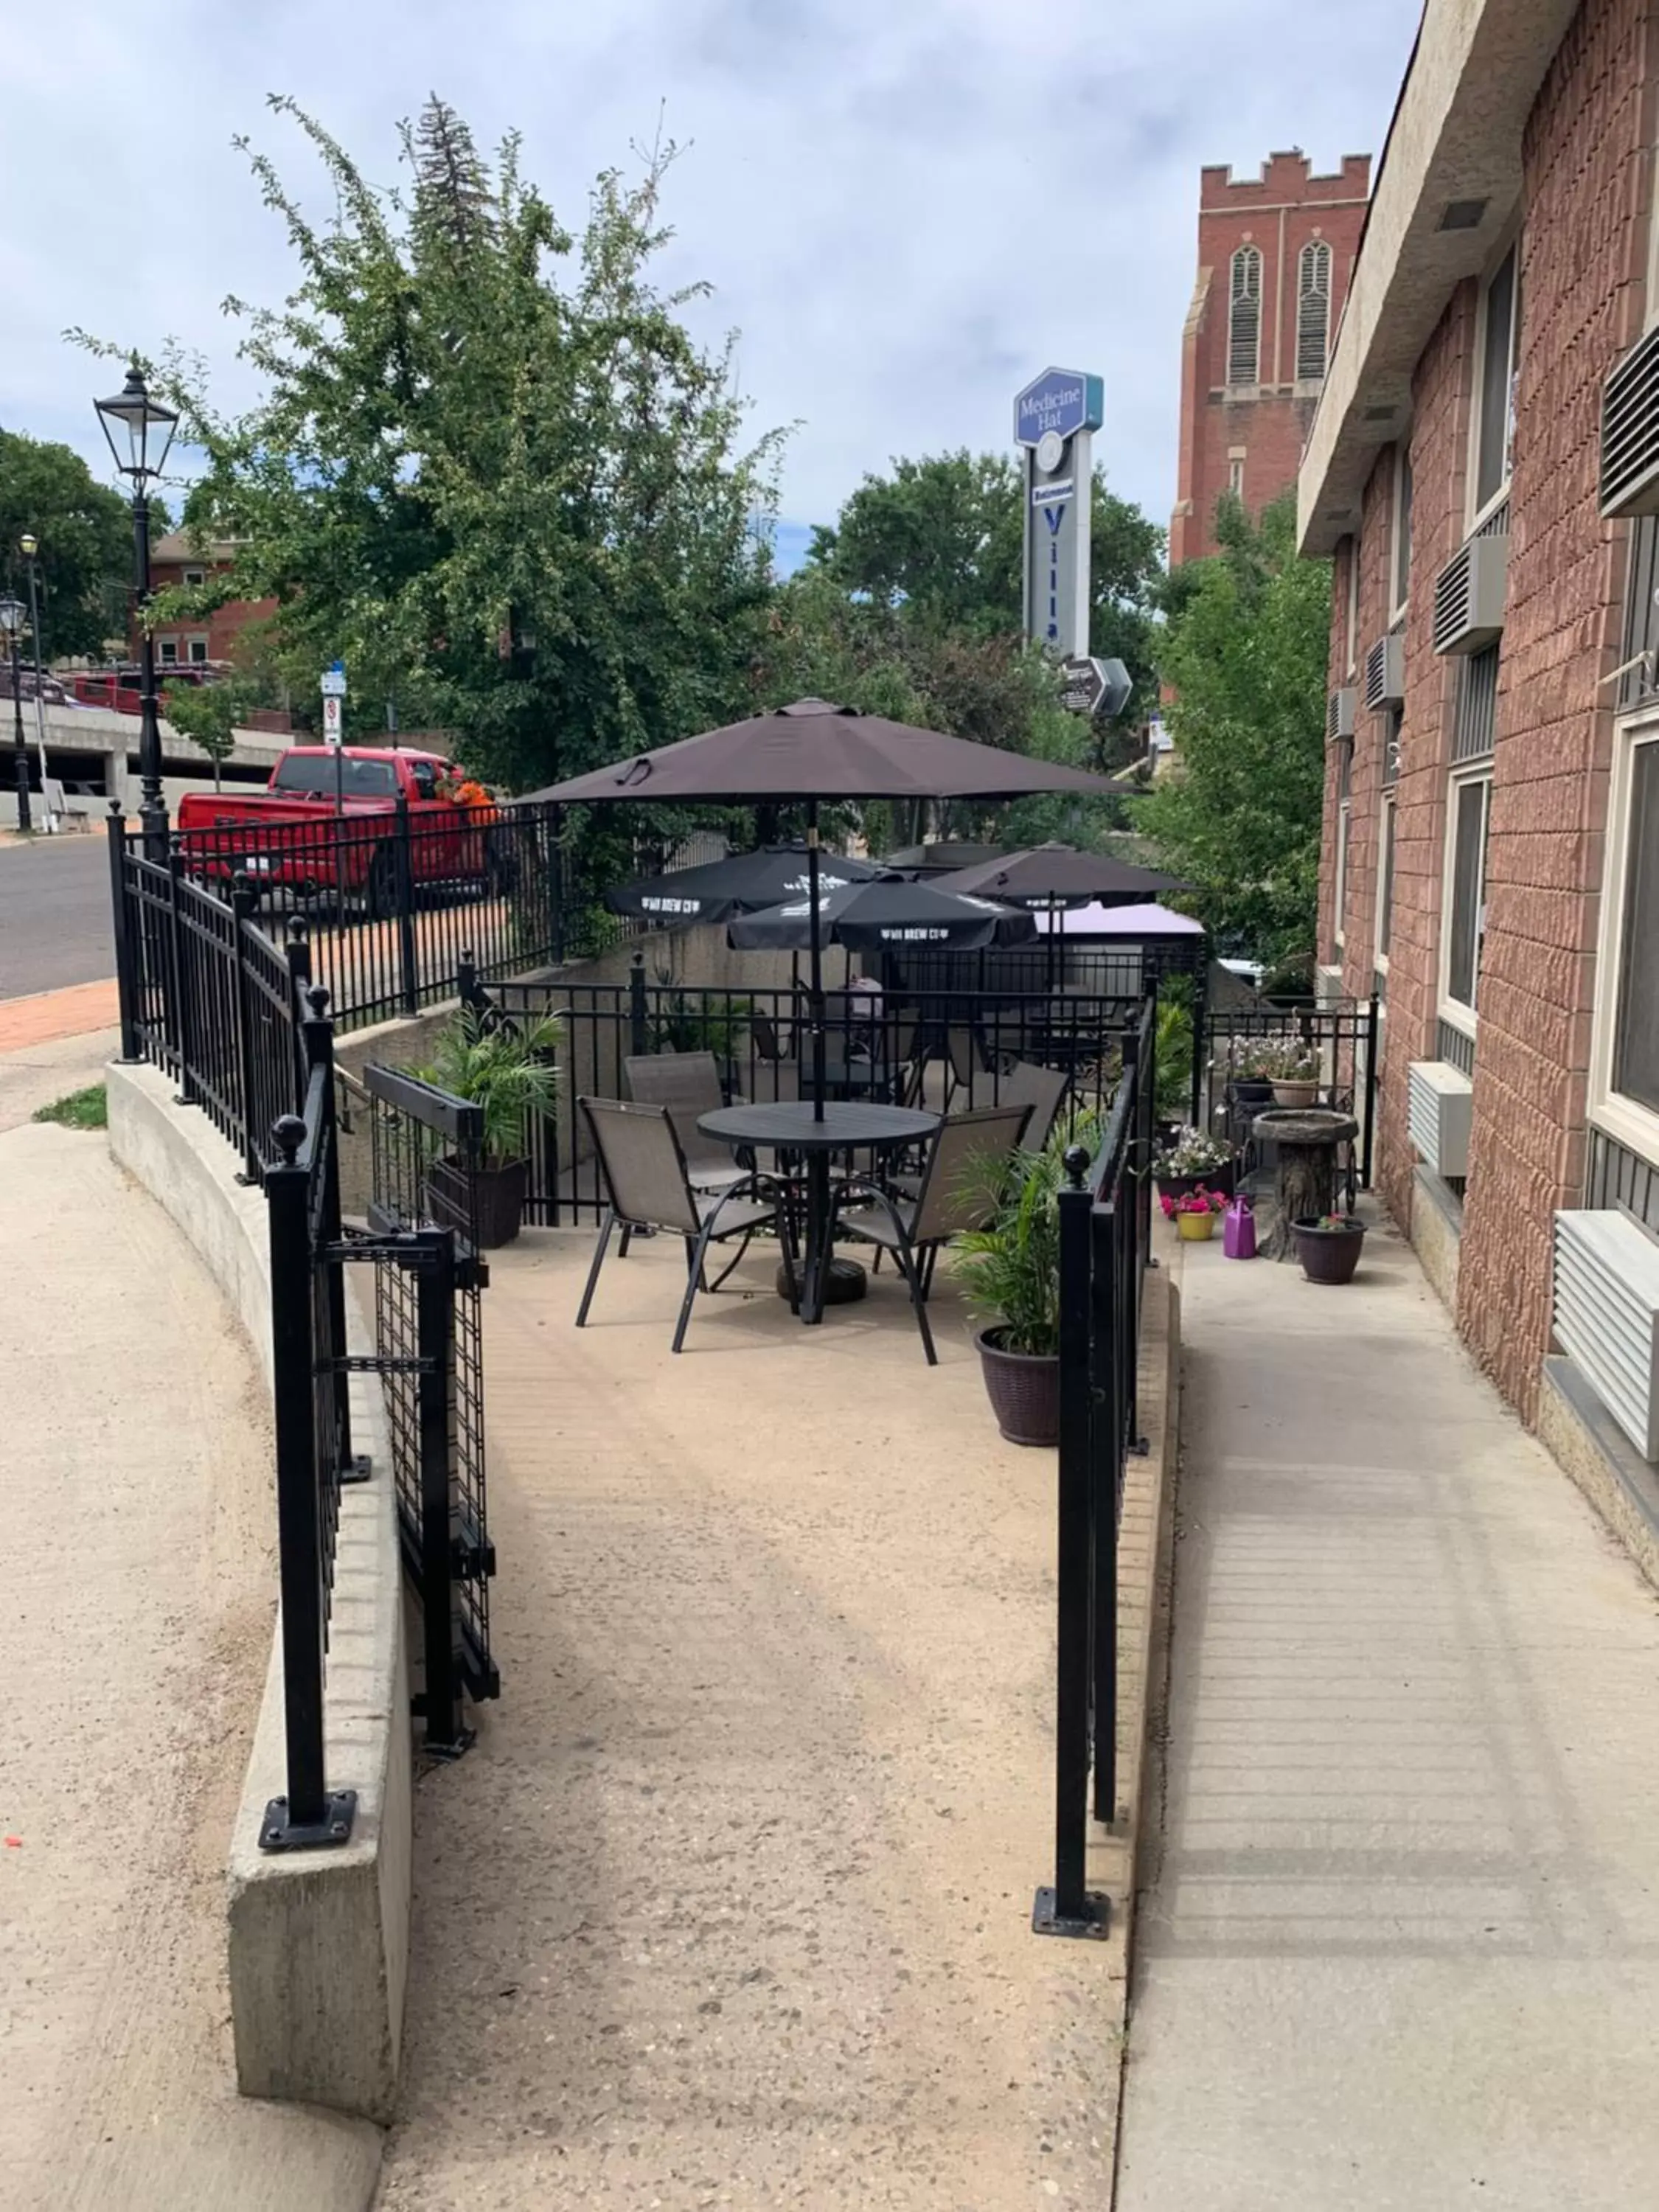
(958, 1191)
(688, 1084)
(648, 1186)
(1042, 1089)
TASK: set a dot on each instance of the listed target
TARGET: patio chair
(1042, 1089)
(767, 1037)
(952, 1198)
(964, 1060)
(647, 1186)
(688, 1084)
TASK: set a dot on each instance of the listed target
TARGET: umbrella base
(847, 1284)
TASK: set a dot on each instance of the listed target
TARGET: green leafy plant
(82, 1109)
(510, 1072)
(1174, 1063)
(1011, 1268)
(1194, 1151)
(680, 1023)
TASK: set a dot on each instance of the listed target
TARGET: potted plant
(1252, 1074)
(1195, 1160)
(1195, 1213)
(506, 1069)
(1011, 1270)
(1329, 1247)
(1291, 1069)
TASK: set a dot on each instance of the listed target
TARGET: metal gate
(429, 1278)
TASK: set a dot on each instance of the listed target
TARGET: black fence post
(435, 1278)
(318, 1032)
(1369, 1151)
(244, 901)
(126, 921)
(1107, 1227)
(466, 979)
(1070, 1908)
(1200, 1044)
(297, 952)
(638, 1035)
(181, 969)
(407, 959)
(310, 1816)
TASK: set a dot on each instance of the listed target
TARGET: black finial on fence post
(1076, 1163)
(467, 978)
(288, 1134)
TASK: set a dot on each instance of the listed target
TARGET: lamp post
(12, 612)
(140, 430)
(31, 545)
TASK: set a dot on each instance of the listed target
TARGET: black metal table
(844, 1126)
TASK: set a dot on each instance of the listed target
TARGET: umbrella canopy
(869, 917)
(1125, 921)
(1059, 875)
(815, 750)
(738, 884)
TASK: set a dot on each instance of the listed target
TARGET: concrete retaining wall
(319, 1943)
(1436, 1234)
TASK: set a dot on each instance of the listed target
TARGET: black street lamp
(31, 545)
(140, 432)
(12, 612)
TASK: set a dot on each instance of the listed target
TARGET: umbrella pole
(814, 973)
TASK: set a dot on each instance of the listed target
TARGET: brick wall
(1587, 196)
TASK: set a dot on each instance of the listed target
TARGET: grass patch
(82, 1109)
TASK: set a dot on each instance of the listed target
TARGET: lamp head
(139, 429)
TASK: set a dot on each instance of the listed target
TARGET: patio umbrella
(1058, 876)
(739, 884)
(869, 917)
(816, 752)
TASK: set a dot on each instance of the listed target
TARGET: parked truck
(346, 823)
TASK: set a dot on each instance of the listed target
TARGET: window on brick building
(198, 652)
(1625, 1052)
(195, 576)
(1401, 550)
(1236, 475)
(168, 648)
(1313, 312)
(1244, 318)
(1466, 891)
(1497, 363)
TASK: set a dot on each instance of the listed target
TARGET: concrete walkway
(137, 1596)
(730, 1905)
(1403, 1952)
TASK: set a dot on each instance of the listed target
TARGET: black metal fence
(1105, 1238)
(1339, 1034)
(310, 1368)
(946, 1048)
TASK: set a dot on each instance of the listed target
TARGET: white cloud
(905, 206)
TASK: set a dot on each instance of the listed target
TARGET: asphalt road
(54, 914)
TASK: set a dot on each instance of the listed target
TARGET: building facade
(1275, 253)
(209, 642)
(1484, 466)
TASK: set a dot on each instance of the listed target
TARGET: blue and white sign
(334, 682)
(1062, 401)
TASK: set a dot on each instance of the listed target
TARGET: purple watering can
(1239, 1231)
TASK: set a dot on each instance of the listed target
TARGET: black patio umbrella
(872, 917)
(816, 752)
(740, 883)
(1055, 875)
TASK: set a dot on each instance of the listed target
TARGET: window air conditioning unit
(1339, 715)
(1606, 1316)
(1385, 672)
(1439, 1112)
(1630, 431)
(1469, 600)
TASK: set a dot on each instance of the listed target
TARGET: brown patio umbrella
(813, 751)
(1055, 875)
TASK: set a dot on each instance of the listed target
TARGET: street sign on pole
(331, 732)
(1095, 687)
(1055, 419)
(334, 682)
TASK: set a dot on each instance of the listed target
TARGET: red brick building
(1485, 467)
(174, 559)
(1275, 253)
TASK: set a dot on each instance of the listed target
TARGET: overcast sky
(907, 207)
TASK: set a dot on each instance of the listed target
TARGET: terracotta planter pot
(1195, 1228)
(1328, 1256)
(495, 1206)
(1293, 1095)
(1024, 1390)
(1222, 1179)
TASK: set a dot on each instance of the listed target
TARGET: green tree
(84, 566)
(1245, 650)
(492, 471)
(941, 539)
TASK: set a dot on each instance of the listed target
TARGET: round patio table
(791, 1125)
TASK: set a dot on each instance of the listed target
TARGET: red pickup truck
(328, 824)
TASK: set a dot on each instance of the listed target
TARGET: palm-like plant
(509, 1070)
(1011, 1268)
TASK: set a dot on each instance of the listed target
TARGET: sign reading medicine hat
(1060, 400)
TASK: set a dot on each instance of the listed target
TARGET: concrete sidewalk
(1403, 1951)
(137, 1595)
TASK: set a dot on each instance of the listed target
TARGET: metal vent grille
(1440, 1111)
(1453, 1047)
(1338, 715)
(1475, 720)
(1385, 673)
(1606, 1316)
(1469, 598)
(1630, 431)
